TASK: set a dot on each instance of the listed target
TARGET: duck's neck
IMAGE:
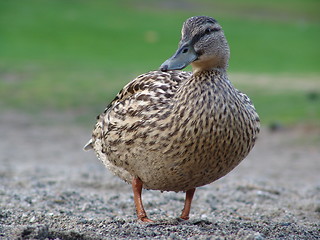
(220, 64)
(212, 71)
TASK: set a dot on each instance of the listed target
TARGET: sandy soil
(51, 189)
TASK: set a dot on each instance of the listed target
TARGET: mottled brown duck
(171, 130)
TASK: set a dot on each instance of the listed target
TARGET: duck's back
(176, 131)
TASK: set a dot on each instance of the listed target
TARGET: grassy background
(74, 55)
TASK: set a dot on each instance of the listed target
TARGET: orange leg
(187, 204)
(137, 189)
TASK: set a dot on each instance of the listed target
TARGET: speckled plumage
(176, 130)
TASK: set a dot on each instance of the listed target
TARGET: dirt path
(51, 189)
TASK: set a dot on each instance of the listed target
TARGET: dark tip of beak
(164, 68)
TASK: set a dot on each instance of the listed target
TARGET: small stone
(32, 219)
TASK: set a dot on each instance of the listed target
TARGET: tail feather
(88, 146)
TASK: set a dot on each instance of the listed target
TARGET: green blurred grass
(68, 55)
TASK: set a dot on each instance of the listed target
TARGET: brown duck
(171, 130)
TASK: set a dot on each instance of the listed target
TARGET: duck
(172, 130)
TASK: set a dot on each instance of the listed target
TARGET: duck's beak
(182, 58)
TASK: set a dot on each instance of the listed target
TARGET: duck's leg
(187, 204)
(137, 189)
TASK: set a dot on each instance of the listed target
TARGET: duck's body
(174, 130)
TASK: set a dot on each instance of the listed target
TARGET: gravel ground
(51, 189)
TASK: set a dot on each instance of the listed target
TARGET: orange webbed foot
(145, 220)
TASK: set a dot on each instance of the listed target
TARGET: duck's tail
(88, 146)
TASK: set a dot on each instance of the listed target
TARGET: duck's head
(202, 44)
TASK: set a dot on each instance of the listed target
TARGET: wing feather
(148, 88)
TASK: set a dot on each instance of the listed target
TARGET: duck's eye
(208, 31)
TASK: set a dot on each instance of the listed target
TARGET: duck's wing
(153, 82)
(154, 86)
